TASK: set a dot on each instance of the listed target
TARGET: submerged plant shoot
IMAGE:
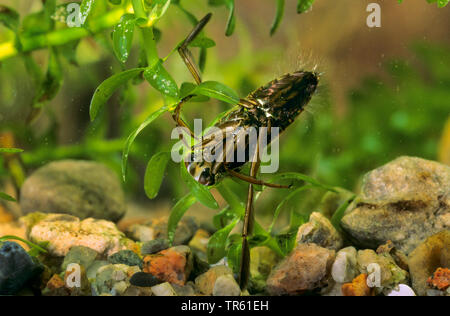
(224, 148)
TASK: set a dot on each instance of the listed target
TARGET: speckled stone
(62, 232)
(80, 188)
(306, 268)
(433, 253)
(320, 231)
(405, 201)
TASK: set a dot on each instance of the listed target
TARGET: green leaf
(123, 37)
(278, 16)
(52, 81)
(49, 9)
(216, 3)
(237, 207)
(177, 213)
(161, 80)
(200, 191)
(440, 3)
(7, 197)
(154, 173)
(231, 22)
(202, 59)
(286, 199)
(9, 18)
(297, 220)
(33, 69)
(10, 150)
(216, 244)
(286, 242)
(106, 89)
(139, 11)
(266, 239)
(85, 9)
(219, 117)
(159, 9)
(35, 23)
(224, 217)
(133, 136)
(191, 17)
(29, 243)
(340, 212)
(218, 91)
(187, 88)
(302, 177)
(234, 256)
(304, 5)
(202, 41)
(69, 52)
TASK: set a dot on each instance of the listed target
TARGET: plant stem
(148, 41)
(139, 11)
(91, 148)
(59, 37)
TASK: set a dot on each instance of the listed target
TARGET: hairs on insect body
(296, 59)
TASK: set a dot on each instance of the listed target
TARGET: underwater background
(384, 93)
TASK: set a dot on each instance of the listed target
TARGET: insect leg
(176, 116)
(253, 180)
(186, 54)
(249, 218)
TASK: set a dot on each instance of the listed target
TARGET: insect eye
(206, 178)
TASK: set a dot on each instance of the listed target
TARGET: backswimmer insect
(276, 104)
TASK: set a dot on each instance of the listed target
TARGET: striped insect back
(275, 105)
(269, 109)
(283, 99)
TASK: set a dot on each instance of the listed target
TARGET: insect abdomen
(283, 99)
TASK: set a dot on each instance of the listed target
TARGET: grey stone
(401, 290)
(320, 231)
(143, 279)
(154, 246)
(79, 188)
(80, 255)
(206, 281)
(113, 279)
(91, 272)
(331, 201)
(433, 253)
(61, 232)
(390, 275)
(16, 268)
(186, 290)
(226, 285)
(405, 201)
(306, 268)
(164, 289)
(127, 257)
(157, 229)
(345, 268)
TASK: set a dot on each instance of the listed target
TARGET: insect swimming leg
(253, 180)
(186, 54)
(249, 218)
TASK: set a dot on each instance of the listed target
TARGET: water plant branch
(25, 44)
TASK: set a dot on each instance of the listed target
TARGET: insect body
(275, 105)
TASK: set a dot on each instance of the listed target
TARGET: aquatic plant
(131, 19)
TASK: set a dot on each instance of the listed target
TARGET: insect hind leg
(188, 59)
(186, 54)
